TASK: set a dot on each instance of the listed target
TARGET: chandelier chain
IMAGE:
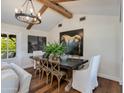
(33, 7)
(26, 7)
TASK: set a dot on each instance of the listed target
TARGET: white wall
(22, 57)
(100, 37)
(120, 52)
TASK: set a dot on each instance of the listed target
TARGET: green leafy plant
(56, 49)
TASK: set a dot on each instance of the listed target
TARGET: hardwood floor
(40, 86)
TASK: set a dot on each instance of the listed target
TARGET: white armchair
(14, 79)
(24, 78)
(86, 80)
(9, 81)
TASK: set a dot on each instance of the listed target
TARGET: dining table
(69, 65)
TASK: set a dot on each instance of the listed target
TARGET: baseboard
(109, 77)
(120, 82)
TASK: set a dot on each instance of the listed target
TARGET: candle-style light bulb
(16, 10)
(38, 14)
(35, 19)
(31, 10)
(39, 17)
(27, 17)
(21, 10)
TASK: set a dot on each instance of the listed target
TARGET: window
(8, 46)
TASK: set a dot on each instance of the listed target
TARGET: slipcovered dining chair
(38, 66)
(86, 80)
(37, 55)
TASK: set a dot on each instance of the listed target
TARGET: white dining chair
(86, 80)
(37, 54)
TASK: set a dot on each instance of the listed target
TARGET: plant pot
(54, 58)
(64, 58)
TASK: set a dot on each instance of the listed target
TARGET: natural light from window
(8, 46)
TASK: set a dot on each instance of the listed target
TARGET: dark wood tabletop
(72, 63)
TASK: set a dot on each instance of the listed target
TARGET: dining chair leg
(58, 84)
(39, 74)
(47, 74)
(42, 74)
(51, 80)
(35, 72)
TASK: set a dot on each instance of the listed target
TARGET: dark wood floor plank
(40, 86)
(48, 88)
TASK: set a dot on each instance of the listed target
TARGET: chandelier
(26, 13)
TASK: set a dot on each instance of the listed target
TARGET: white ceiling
(50, 18)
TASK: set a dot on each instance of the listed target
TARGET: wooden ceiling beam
(43, 9)
(55, 6)
(29, 26)
(57, 1)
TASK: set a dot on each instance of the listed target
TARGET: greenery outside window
(8, 46)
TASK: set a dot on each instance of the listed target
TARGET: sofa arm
(24, 77)
(9, 81)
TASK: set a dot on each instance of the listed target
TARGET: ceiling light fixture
(26, 13)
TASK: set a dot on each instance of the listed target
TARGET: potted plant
(54, 50)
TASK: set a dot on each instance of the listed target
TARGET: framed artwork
(73, 40)
(36, 43)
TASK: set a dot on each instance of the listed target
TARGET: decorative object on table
(54, 50)
(27, 13)
(36, 43)
(64, 57)
(73, 40)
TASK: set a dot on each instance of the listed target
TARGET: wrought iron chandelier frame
(28, 16)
